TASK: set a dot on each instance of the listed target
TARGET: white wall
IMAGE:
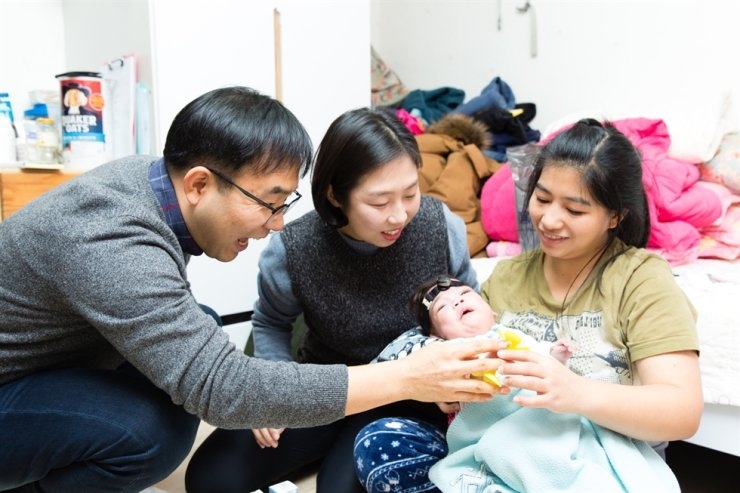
(31, 48)
(186, 47)
(657, 58)
(637, 57)
(325, 72)
(98, 31)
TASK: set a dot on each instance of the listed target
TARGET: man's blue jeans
(81, 430)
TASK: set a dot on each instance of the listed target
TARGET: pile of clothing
(463, 143)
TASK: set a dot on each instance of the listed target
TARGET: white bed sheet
(713, 286)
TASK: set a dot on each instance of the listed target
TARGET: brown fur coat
(454, 169)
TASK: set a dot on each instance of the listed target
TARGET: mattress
(713, 286)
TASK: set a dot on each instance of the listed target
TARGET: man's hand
(439, 372)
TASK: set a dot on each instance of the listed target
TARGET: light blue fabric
(499, 446)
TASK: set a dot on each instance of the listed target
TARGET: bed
(713, 287)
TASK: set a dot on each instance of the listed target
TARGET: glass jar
(47, 141)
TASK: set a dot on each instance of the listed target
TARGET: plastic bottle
(8, 156)
(521, 162)
(5, 106)
(29, 151)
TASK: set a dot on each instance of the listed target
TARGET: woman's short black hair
(356, 143)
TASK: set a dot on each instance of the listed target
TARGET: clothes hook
(528, 7)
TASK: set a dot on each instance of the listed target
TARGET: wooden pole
(278, 55)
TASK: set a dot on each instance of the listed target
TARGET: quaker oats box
(84, 119)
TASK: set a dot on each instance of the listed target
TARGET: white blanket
(500, 447)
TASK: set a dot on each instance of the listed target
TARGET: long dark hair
(611, 169)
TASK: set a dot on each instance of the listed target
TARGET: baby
(446, 308)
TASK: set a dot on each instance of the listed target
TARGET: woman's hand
(666, 404)
(267, 437)
(554, 386)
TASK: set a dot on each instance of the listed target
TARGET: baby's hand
(449, 407)
(563, 350)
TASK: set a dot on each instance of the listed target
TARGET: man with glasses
(107, 362)
(276, 211)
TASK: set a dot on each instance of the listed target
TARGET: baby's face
(460, 312)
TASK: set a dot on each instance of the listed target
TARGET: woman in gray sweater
(348, 267)
(106, 359)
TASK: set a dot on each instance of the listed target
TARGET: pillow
(695, 130)
(724, 167)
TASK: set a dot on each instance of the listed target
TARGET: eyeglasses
(276, 211)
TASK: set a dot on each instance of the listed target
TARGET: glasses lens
(280, 211)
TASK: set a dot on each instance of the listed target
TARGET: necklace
(597, 255)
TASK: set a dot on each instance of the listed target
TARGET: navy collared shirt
(161, 184)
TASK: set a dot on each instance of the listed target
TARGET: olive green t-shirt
(639, 311)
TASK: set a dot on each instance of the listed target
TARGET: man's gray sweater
(92, 275)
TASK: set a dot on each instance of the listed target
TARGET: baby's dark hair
(423, 296)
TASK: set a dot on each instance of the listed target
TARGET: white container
(284, 487)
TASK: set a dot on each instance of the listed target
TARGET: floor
(703, 470)
(698, 469)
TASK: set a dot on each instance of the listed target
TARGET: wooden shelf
(18, 187)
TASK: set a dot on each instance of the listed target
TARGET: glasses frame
(275, 211)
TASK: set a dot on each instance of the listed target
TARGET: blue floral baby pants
(395, 454)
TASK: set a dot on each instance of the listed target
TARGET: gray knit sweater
(91, 275)
(354, 305)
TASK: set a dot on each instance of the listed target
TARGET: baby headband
(444, 282)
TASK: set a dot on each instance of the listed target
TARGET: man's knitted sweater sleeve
(93, 277)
